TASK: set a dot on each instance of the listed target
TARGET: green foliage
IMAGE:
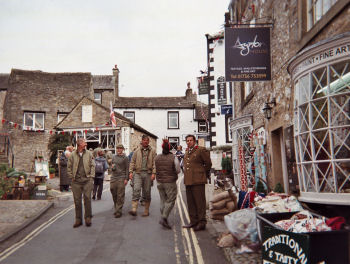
(278, 188)
(52, 170)
(226, 164)
(3, 168)
(260, 187)
(58, 142)
(6, 185)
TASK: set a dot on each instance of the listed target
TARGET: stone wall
(36, 91)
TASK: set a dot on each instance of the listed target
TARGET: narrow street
(110, 240)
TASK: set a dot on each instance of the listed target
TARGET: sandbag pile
(222, 204)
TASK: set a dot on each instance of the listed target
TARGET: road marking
(7, 252)
(193, 235)
(176, 242)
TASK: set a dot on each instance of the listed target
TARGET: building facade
(304, 145)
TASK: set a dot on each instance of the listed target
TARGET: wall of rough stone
(37, 91)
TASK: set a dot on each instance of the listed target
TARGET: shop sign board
(221, 87)
(247, 54)
(203, 85)
(40, 194)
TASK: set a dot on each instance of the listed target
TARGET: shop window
(129, 115)
(173, 120)
(98, 97)
(202, 127)
(33, 121)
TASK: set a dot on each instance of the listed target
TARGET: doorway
(279, 167)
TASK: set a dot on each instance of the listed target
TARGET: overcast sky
(158, 45)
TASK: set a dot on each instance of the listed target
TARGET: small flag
(111, 115)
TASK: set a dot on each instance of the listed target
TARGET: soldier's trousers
(196, 203)
(167, 193)
(142, 181)
(117, 189)
(82, 190)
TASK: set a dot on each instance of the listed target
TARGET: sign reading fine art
(247, 54)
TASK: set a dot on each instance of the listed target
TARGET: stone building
(304, 144)
(36, 102)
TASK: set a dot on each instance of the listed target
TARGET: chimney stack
(116, 81)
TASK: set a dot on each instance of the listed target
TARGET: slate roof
(103, 82)
(153, 102)
(4, 81)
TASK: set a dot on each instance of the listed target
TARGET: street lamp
(268, 109)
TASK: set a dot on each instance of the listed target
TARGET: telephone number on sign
(248, 76)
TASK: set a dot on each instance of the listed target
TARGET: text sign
(203, 85)
(247, 54)
(226, 109)
(221, 86)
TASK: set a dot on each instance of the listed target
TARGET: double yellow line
(188, 233)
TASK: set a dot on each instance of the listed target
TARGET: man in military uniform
(197, 165)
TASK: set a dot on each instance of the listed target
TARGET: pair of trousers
(82, 190)
(167, 193)
(196, 203)
(98, 187)
(117, 189)
(142, 181)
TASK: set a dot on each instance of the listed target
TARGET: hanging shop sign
(226, 109)
(221, 87)
(247, 54)
(203, 85)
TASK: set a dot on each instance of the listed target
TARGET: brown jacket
(136, 161)
(197, 165)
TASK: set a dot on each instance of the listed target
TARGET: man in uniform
(143, 170)
(81, 169)
(197, 165)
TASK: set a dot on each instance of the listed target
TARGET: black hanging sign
(247, 54)
(203, 85)
(221, 85)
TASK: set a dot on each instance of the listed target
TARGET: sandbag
(220, 196)
(231, 206)
(218, 217)
(220, 211)
(220, 204)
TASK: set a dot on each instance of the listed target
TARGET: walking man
(81, 169)
(143, 170)
(167, 167)
(101, 166)
(119, 179)
(197, 165)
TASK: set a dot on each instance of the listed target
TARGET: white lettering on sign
(245, 47)
(291, 243)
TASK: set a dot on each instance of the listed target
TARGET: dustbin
(280, 246)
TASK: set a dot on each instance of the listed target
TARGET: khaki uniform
(197, 165)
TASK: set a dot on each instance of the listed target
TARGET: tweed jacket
(197, 165)
(136, 161)
(88, 161)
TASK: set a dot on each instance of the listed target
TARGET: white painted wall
(219, 70)
(155, 121)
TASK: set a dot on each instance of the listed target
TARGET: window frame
(129, 112)
(172, 140)
(98, 100)
(32, 128)
(202, 124)
(169, 118)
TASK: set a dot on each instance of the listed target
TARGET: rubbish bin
(280, 246)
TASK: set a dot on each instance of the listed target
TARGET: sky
(158, 45)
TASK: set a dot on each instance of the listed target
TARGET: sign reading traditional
(247, 54)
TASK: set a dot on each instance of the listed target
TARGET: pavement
(17, 214)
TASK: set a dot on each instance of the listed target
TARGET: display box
(280, 246)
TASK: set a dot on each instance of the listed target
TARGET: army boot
(133, 210)
(146, 212)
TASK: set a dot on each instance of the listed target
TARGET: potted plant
(52, 173)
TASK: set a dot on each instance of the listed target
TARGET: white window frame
(316, 9)
(173, 115)
(202, 124)
(35, 118)
(172, 141)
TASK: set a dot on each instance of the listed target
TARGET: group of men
(144, 167)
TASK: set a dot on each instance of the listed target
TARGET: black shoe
(118, 215)
(164, 222)
(200, 226)
(189, 225)
(93, 197)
